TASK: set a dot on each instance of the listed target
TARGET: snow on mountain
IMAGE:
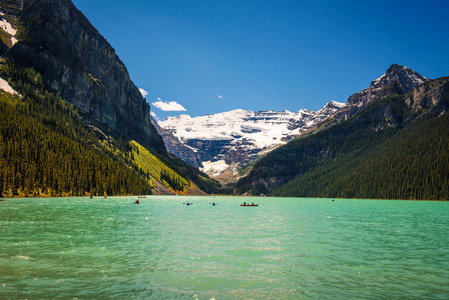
(259, 127)
(6, 26)
(226, 139)
(4, 85)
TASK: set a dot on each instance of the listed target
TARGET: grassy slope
(151, 164)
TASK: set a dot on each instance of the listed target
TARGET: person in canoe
(247, 204)
(137, 201)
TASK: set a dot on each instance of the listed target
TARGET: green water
(79, 248)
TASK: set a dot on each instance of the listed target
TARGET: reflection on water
(285, 248)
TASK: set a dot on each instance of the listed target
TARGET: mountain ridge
(223, 141)
(60, 55)
(397, 79)
(223, 153)
(56, 58)
(351, 158)
(60, 43)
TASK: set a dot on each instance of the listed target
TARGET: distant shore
(245, 196)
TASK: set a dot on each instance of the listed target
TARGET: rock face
(305, 119)
(431, 98)
(174, 146)
(397, 80)
(58, 41)
(223, 141)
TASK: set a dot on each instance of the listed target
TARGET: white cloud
(154, 116)
(143, 92)
(168, 106)
(220, 96)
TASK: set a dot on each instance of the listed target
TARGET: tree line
(46, 148)
(402, 156)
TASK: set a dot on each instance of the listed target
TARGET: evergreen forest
(47, 150)
(387, 151)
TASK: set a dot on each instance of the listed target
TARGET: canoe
(249, 204)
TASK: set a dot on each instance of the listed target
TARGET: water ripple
(283, 249)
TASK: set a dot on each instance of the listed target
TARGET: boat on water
(247, 204)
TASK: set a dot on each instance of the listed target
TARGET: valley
(62, 76)
(224, 143)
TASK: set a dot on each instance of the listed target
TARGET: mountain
(224, 142)
(396, 147)
(59, 42)
(46, 150)
(52, 55)
(396, 80)
(174, 146)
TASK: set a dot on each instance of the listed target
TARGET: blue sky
(207, 56)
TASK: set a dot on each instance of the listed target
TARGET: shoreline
(237, 196)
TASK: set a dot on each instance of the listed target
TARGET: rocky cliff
(57, 40)
(174, 146)
(432, 97)
(396, 80)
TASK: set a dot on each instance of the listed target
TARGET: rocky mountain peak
(331, 106)
(396, 80)
(405, 78)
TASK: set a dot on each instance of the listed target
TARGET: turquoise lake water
(286, 248)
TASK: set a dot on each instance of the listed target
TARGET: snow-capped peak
(230, 137)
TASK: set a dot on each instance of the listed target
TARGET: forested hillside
(79, 121)
(47, 149)
(397, 148)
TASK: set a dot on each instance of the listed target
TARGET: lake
(286, 248)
